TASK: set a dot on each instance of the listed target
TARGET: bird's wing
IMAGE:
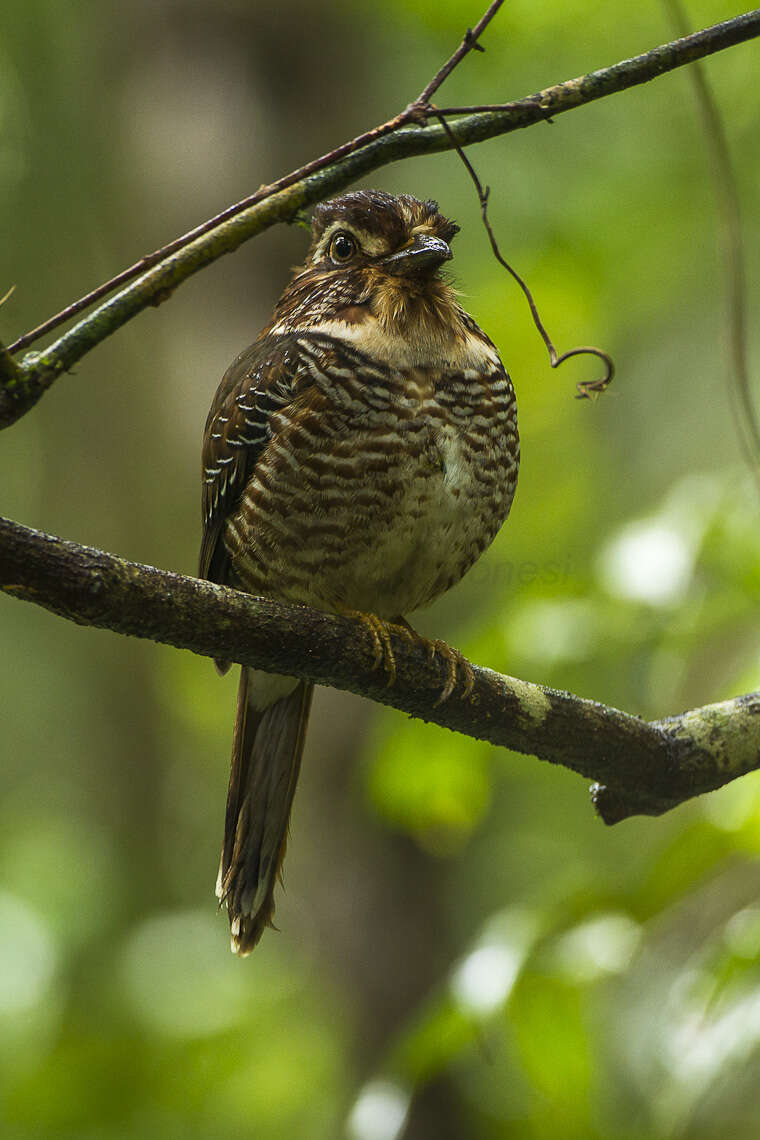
(259, 383)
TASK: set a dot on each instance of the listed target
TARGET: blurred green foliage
(466, 952)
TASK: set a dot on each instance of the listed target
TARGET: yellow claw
(453, 659)
(380, 632)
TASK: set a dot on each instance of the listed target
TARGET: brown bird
(358, 457)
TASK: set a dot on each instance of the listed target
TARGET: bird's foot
(380, 632)
(454, 660)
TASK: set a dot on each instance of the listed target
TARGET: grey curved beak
(425, 252)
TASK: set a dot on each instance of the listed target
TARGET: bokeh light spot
(379, 1113)
(484, 979)
(27, 956)
(603, 945)
(648, 561)
(179, 977)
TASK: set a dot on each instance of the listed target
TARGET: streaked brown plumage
(358, 457)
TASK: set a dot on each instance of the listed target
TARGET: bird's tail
(272, 713)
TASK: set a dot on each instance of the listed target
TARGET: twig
(586, 389)
(469, 42)
(643, 767)
(411, 113)
(333, 172)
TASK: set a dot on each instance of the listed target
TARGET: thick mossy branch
(402, 137)
(639, 767)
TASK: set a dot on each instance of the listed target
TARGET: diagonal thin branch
(640, 767)
(469, 43)
(398, 138)
(414, 112)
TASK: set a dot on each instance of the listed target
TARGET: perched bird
(358, 457)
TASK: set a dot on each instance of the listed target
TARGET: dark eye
(343, 247)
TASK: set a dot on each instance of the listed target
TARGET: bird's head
(380, 235)
(377, 253)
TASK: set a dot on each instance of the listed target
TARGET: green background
(464, 947)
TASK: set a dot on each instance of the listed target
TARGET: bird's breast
(379, 491)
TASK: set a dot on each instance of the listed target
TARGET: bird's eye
(343, 247)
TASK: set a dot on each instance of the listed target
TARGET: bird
(358, 458)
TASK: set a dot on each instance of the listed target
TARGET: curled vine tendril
(586, 389)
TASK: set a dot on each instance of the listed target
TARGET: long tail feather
(266, 759)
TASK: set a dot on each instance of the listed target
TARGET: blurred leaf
(431, 783)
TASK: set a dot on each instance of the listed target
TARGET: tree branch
(640, 767)
(400, 137)
(416, 111)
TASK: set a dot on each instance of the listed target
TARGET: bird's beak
(424, 252)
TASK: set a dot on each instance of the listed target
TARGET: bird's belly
(385, 537)
(414, 557)
(407, 556)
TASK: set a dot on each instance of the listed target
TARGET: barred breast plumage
(359, 456)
